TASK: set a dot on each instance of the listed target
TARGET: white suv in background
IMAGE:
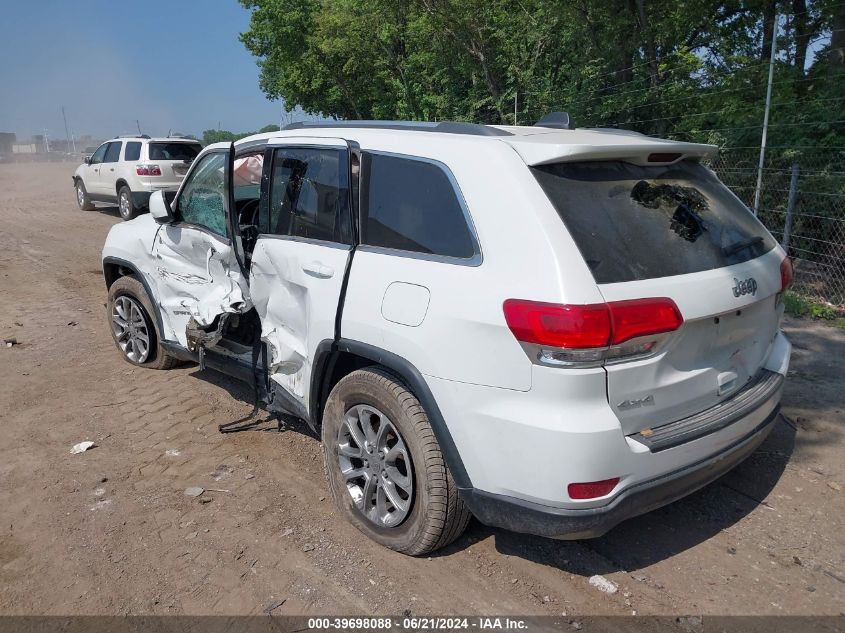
(126, 170)
(551, 329)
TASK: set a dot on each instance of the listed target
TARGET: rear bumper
(520, 450)
(532, 518)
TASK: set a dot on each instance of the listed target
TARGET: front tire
(384, 466)
(82, 198)
(125, 204)
(132, 327)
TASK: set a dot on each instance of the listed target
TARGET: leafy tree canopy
(217, 136)
(691, 70)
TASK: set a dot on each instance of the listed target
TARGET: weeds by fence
(802, 203)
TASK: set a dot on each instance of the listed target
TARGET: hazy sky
(173, 64)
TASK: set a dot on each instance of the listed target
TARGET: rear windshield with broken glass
(632, 222)
(174, 151)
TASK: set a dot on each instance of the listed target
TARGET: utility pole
(67, 132)
(515, 106)
(766, 117)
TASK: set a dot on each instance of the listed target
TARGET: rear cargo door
(173, 159)
(674, 231)
(301, 256)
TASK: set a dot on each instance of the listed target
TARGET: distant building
(7, 141)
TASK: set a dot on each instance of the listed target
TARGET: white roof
(155, 139)
(536, 145)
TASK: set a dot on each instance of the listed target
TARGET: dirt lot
(110, 531)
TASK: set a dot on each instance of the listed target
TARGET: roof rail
(560, 120)
(447, 127)
(133, 136)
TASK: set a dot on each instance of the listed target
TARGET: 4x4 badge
(745, 287)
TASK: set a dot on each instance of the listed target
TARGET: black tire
(82, 199)
(125, 203)
(437, 515)
(130, 287)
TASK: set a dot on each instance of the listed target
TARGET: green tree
(217, 136)
(666, 67)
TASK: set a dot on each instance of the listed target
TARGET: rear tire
(130, 323)
(428, 513)
(125, 204)
(82, 198)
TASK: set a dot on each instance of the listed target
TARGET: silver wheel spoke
(364, 415)
(381, 505)
(369, 489)
(393, 495)
(347, 450)
(354, 473)
(355, 431)
(403, 481)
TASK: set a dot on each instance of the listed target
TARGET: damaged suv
(551, 329)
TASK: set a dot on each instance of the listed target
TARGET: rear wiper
(727, 251)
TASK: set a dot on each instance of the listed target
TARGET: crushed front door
(301, 256)
(196, 266)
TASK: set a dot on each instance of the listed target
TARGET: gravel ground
(110, 531)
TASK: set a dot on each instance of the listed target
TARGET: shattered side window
(202, 200)
(309, 195)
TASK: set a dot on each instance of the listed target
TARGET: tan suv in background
(126, 170)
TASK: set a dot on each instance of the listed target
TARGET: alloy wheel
(375, 465)
(130, 329)
(125, 205)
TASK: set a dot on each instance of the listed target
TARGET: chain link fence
(802, 203)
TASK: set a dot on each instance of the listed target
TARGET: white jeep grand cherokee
(126, 170)
(551, 329)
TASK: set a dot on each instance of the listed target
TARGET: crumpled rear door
(301, 257)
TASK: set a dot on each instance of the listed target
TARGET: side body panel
(450, 323)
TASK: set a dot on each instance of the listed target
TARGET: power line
(680, 116)
(752, 127)
(805, 215)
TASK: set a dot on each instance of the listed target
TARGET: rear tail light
(786, 273)
(592, 489)
(148, 170)
(578, 334)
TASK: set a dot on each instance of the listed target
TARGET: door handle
(111, 169)
(319, 270)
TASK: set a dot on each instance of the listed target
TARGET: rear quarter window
(133, 151)
(412, 205)
(632, 222)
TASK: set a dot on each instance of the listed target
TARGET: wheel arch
(114, 268)
(121, 182)
(333, 361)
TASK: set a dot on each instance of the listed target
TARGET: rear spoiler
(542, 149)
